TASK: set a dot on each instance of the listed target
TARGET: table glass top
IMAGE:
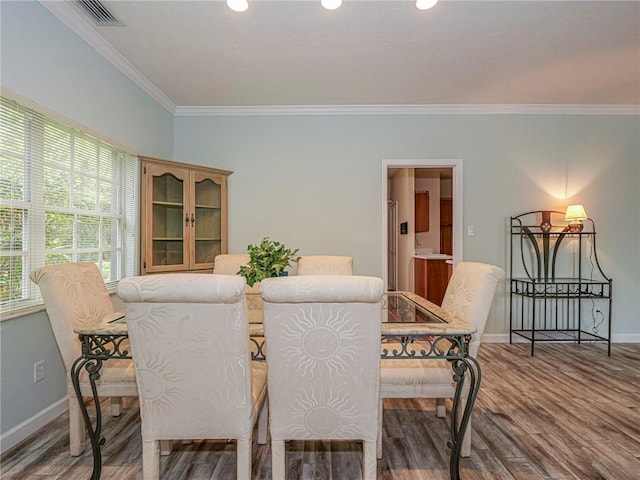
(397, 308)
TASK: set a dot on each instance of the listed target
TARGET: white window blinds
(65, 196)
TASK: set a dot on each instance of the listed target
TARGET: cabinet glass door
(169, 220)
(206, 231)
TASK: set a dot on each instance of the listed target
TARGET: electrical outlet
(38, 371)
(471, 231)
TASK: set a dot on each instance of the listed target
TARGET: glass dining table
(412, 328)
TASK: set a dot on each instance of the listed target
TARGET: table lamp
(574, 215)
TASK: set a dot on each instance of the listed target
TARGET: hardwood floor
(569, 413)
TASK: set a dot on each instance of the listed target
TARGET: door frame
(458, 228)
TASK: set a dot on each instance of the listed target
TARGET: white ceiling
(287, 53)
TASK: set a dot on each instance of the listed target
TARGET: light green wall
(44, 62)
(314, 182)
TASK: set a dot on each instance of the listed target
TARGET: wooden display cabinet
(183, 216)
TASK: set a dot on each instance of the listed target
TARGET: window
(65, 196)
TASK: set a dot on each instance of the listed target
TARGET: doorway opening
(407, 186)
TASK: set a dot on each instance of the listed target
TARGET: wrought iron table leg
(458, 429)
(93, 367)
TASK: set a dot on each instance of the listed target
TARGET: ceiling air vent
(98, 13)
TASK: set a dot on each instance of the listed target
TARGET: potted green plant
(266, 260)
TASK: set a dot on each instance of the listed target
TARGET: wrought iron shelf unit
(559, 292)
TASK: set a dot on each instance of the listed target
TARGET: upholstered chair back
(230, 263)
(469, 296)
(190, 344)
(323, 351)
(74, 295)
(325, 265)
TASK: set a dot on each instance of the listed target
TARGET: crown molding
(72, 18)
(483, 109)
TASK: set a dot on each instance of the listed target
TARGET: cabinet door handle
(186, 219)
(193, 219)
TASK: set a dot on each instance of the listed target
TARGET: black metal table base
(458, 430)
(93, 368)
(95, 350)
(453, 348)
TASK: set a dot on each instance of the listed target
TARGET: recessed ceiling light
(238, 5)
(331, 4)
(425, 4)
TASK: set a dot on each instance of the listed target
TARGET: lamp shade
(575, 212)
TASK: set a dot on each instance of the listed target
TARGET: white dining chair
(190, 344)
(325, 265)
(469, 296)
(74, 296)
(229, 264)
(322, 334)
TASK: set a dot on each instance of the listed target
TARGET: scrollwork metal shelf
(553, 272)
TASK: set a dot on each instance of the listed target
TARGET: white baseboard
(20, 432)
(504, 338)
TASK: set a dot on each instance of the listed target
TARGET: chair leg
(277, 459)
(369, 468)
(150, 459)
(263, 423)
(244, 459)
(465, 450)
(116, 406)
(379, 439)
(441, 408)
(76, 427)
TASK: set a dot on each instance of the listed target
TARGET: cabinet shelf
(552, 274)
(210, 207)
(167, 239)
(168, 204)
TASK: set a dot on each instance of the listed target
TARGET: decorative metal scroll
(259, 343)
(104, 347)
(444, 347)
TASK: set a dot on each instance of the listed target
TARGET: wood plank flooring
(569, 413)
